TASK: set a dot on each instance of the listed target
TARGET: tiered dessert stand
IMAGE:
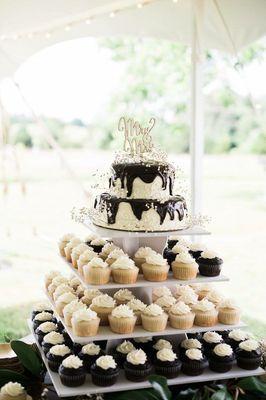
(130, 242)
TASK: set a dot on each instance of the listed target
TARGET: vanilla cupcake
(97, 244)
(215, 297)
(205, 313)
(203, 290)
(76, 253)
(62, 301)
(114, 255)
(183, 289)
(57, 281)
(85, 322)
(70, 246)
(155, 269)
(74, 282)
(154, 319)
(181, 316)
(166, 302)
(123, 296)
(141, 255)
(49, 277)
(124, 270)
(103, 305)
(80, 291)
(13, 391)
(89, 295)
(63, 241)
(184, 267)
(189, 298)
(122, 319)
(160, 292)
(61, 289)
(229, 312)
(70, 308)
(137, 306)
(96, 272)
(107, 249)
(84, 259)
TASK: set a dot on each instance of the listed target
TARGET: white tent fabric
(27, 26)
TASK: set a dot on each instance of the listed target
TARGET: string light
(88, 21)
(175, 1)
(67, 28)
(139, 5)
(112, 14)
(47, 35)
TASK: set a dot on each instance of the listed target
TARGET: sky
(75, 79)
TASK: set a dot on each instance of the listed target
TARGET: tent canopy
(27, 26)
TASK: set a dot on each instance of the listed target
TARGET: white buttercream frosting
(104, 300)
(249, 345)
(79, 249)
(92, 293)
(98, 242)
(124, 295)
(180, 308)
(58, 280)
(191, 344)
(223, 350)
(73, 306)
(122, 311)
(91, 349)
(66, 298)
(229, 303)
(86, 257)
(215, 297)
(209, 254)
(136, 305)
(194, 354)
(185, 258)
(43, 316)
(60, 350)
(89, 237)
(196, 246)
(179, 248)
(165, 301)
(204, 305)
(179, 239)
(153, 310)
(166, 355)
(72, 362)
(63, 288)
(143, 339)
(12, 389)
(106, 362)
(47, 327)
(97, 262)
(125, 347)
(51, 275)
(116, 253)
(84, 315)
(161, 291)
(54, 338)
(189, 297)
(123, 262)
(212, 337)
(73, 243)
(156, 259)
(238, 335)
(162, 344)
(143, 252)
(74, 282)
(137, 357)
(183, 289)
(108, 248)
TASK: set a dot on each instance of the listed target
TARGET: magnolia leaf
(159, 384)
(7, 375)
(252, 384)
(221, 394)
(142, 394)
(28, 357)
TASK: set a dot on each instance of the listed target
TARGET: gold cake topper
(137, 138)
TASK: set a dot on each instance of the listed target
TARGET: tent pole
(196, 137)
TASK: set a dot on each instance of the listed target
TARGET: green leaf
(252, 384)
(188, 394)
(142, 394)
(221, 394)
(7, 375)
(159, 384)
(28, 357)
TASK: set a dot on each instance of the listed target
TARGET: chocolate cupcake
(51, 339)
(210, 340)
(144, 343)
(195, 249)
(235, 337)
(88, 239)
(194, 362)
(167, 364)
(67, 339)
(104, 372)
(170, 254)
(56, 355)
(137, 366)
(60, 326)
(71, 372)
(89, 354)
(221, 358)
(188, 344)
(249, 354)
(173, 240)
(209, 263)
(121, 352)
(40, 307)
(76, 347)
(41, 317)
(97, 244)
(159, 344)
(43, 329)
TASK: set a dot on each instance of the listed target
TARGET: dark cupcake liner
(104, 380)
(120, 359)
(39, 337)
(193, 368)
(248, 363)
(54, 365)
(72, 380)
(168, 372)
(209, 270)
(220, 367)
(46, 347)
(88, 360)
(137, 375)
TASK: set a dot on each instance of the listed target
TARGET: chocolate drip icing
(138, 206)
(127, 173)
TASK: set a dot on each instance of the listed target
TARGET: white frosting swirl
(91, 236)
(143, 339)
(229, 303)
(54, 338)
(122, 311)
(108, 248)
(43, 316)
(98, 242)
(191, 344)
(189, 297)
(74, 306)
(153, 310)
(162, 344)
(86, 257)
(103, 301)
(180, 308)
(223, 350)
(91, 349)
(165, 301)
(74, 282)
(137, 357)
(143, 252)
(183, 289)
(196, 246)
(106, 362)
(58, 280)
(124, 295)
(166, 355)
(204, 305)
(79, 249)
(215, 297)
(238, 335)
(51, 275)
(116, 253)
(66, 298)
(194, 354)
(97, 262)
(161, 291)
(63, 288)
(47, 327)
(125, 347)
(41, 307)
(185, 258)
(12, 389)
(72, 362)
(60, 350)
(208, 254)
(249, 345)
(156, 259)
(84, 315)
(73, 243)
(212, 337)
(179, 248)
(123, 262)
(92, 293)
(179, 239)
(66, 238)
(136, 305)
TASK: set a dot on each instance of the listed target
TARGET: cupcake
(189, 298)
(13, 391)
(167, 364)
(188, 344)
(209, 263)
(181, 290)
(61, 289)
(170, 254)
(57, 281)
(89, 295)
(85, 322)
(49, 277)
(215, 297)
(124, 270)
(166, 302)
(145, 343)
(74, 282)
(123, 296)
(137, 306)
(159, 292)
(203, 290)
(210, 340)
(114, 255)
(248, 354)
(40, 307)
(235, 337)
(70, 246)
(137, 366)
(194, 362)
(205, 313)
(89, 237)
(56, 355)
(155, 269)
(140, 256)
(184, 267)
(51, 339)
(89, 354)
(195, 249)
(80, 291)
(181, 316)
(159, 345)
(63, 241)
(104, 372)
(70, 308)
(76, 348)
(43, 329)
(103, 306)
(229, 312)
(67, 339)
(62, 301)
(71, 372)
(96, 272)
(221, 358)
(122, 319)
(97, 244)
(84, 259)
(107, 249)
(76, 253)
(174, 239)
(121, 352)
(153, 318)
(43, 316)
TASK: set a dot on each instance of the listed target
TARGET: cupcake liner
(220, 367)
(80, 269)
(209, 270)
(68, 254)
(182, 321)
(86, 328)
(229, 316)
(168, 372)
(103, 380)
(125, 275)
(59, 308)
(62, 251)
(72, 380)
(192, 368)
(137, 375)
(102, 313)
(139, 262)
(206, 318)
(154, 324)
(97, 276)
(67, 318)
(248, 363)
(74, 262)
(122, 325)
(184, 271)
(138, 315)
(155, 273)
(53, 365)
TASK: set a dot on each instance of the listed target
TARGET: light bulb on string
(88, 21)
(48, 35)
(139, 5)
(112, 14)
(67, 28)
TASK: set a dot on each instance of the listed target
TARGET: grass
(13, 322)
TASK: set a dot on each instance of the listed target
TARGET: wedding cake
(141, 187)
